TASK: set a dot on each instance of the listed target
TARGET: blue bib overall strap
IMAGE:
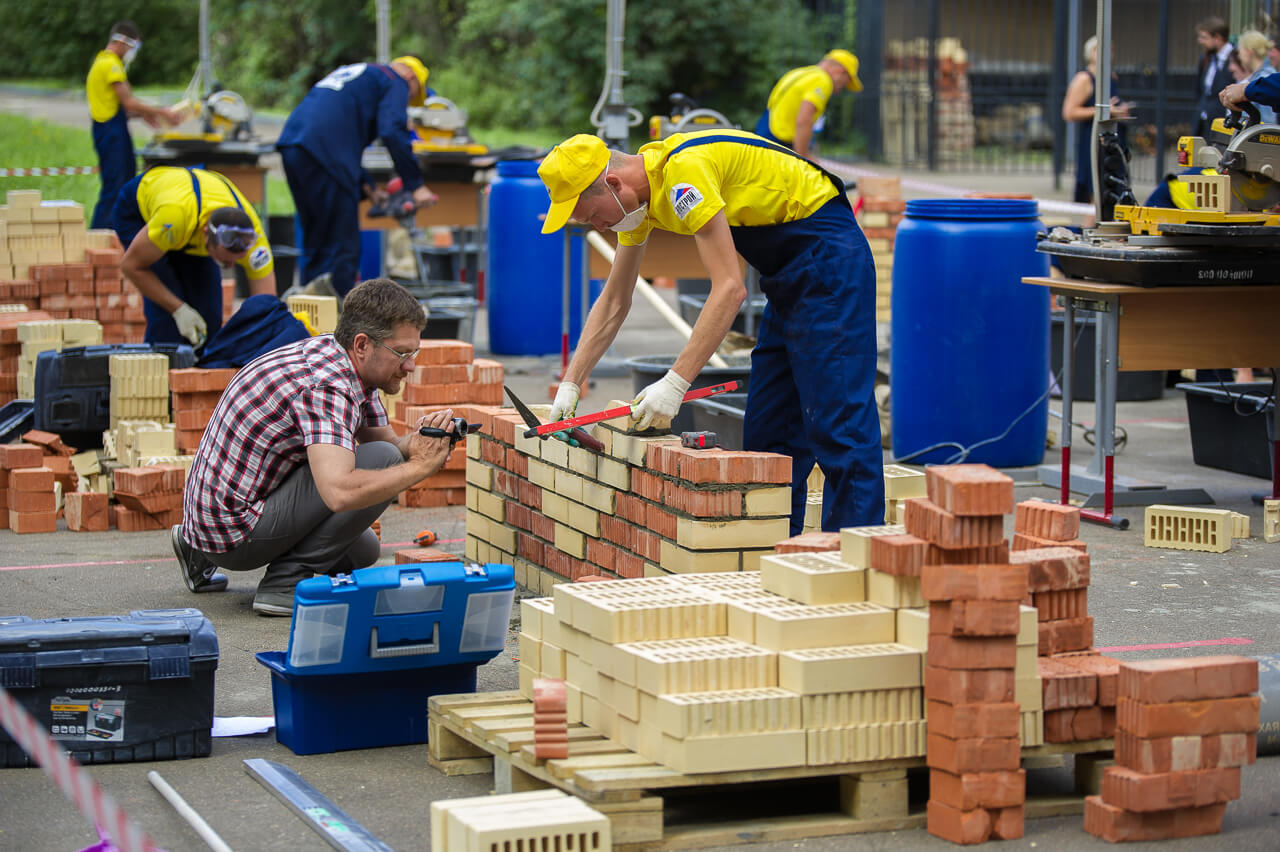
(813, 368)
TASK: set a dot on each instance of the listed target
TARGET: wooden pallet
(479, 733)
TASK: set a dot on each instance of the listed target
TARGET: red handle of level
(622, 410)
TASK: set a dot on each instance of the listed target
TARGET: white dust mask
(629, 221)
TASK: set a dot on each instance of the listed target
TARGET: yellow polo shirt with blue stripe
(755, 182)
(810, 83)
(106, 71)
(167, 203)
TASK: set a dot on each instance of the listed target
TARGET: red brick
(531, 495)
(1064, 685)
(601, 554)
(974, 618)
(484, 415)
(1171, 754)
(492, 452)
(16, 456)
(1189, 718)
(32, 501)
(966, 652)
(33, 522)
(49, 442)
(968, 686)
(138, 480)
(1119, 826)
(961, 721)
(1066, 634)
(1064, 603)
(665, 457)
(485, 371)
(1008, 823)
(31, 479)
(1188, 678)
(152, 503)
(506, 484)
(528, 547)
(978, 789)
(810, 542)
(733, 467)
(1022, 541)
(1136, 791)
(990, 554)
(899, 555)
(9, 323)
(660, 521)
(519, 515)
(1052, 521)
(703, 504)
(973, 582)
(108, 257)
(445, 479)
(423, 554)
(631, 508)
(445, 352)
(1079, 724)
(517, 462)
(432, 498)
(646, 544)
(962, 827)
(545, 528)
(1053, 568)
(973, 754)
(928, 521)
(647, 485)
(86, 511)
(192, 418)
(198, 380)
(969, 489)
(440, 374)
(194, 401)
(1106, 669)
(628, 566)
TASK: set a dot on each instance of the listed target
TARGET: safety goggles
(233, 237)
(131, 43)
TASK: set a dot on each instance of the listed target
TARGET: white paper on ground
(240, 726)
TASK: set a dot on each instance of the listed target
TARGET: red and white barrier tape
(72, 779)
(50, 171)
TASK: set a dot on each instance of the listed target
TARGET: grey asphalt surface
(1139, 596)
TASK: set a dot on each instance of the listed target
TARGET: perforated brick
(928, 521)
(969, 489)
(813, 579)
(1079, 724)
(964, 721)
(862, 707)
(796, 626)
(900, 555)
(847, 668)
(728, 712)
(1066, 685)
(859, 743)
(855, 542)
(1184, 718)
(1052, 521)
(1136, 791)
(975, 618)
(700, 665)
(976, 652)
(773, 749)
(1066, 634)
(1183, 528)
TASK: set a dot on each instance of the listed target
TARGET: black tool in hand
(461, 428)
(580, 435)
(399, 203)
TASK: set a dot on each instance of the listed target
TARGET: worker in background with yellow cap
(321, 145)
(799, 99)
(813, 368)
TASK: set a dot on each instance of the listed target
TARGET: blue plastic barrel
(969, 353)
(525, 282)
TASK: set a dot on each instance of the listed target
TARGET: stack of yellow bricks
(816, 659)
(139, 387)
(37, 232)
(45, 336)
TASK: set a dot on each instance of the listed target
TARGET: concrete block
(863, 707)
(797, 627)
(875, 795)
(1185, 528)
(861, 743)
(847, 668)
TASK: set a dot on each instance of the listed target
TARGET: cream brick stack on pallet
(45, 336)
(139, 387)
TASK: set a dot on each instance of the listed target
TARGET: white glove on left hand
(659, 401)
(190, 324)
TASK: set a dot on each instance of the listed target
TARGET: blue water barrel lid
(518, 168)
(985, 209)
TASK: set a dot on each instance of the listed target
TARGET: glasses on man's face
(404, 357)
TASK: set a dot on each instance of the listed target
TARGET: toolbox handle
(378, 653)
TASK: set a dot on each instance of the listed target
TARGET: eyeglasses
(233, 237)
(404, 357)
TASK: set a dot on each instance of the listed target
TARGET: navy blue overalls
(814, 365)
(194, 279)
(320, 147)
(117, 164)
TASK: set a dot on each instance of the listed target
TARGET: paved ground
(1139, 597)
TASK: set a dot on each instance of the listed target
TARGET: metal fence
(978, 85)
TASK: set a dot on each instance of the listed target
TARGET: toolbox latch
(169, 661)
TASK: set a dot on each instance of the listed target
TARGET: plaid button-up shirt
(275, 407)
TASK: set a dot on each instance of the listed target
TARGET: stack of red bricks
(56, 456)
(194, 393)
(10, 349)
(1039, 524)
(976, 786)
(1185, 729)
(93, 289)
(27, 499)
(447, 375)
(150, 498)
(550, 719)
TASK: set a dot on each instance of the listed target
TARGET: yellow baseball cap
(850, 63)
(420, 71)
(570, 168)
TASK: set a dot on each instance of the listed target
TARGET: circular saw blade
(1254, 191)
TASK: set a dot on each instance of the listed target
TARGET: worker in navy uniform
(321, 146)
(111, 104)
(178, 226)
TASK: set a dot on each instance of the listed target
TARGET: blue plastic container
(970, 342)
(526, 278)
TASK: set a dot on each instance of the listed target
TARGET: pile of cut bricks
(882, 209)
(1185, 729)
(194, 393)
(148, 498)
(49, 261)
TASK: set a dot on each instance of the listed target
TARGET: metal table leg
(1068, 386)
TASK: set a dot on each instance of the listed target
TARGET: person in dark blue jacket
(321, 146)
(1263, 90)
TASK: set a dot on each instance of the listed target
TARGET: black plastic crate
(1231, 425)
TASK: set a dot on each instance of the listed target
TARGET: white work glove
(654, 406)
(564, 407)
(190, 324)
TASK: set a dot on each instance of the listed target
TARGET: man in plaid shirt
(299, 460)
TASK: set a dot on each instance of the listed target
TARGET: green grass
(27, 143)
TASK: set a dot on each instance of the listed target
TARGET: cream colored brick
(477, 525)
(628, 733)
(855, 542)
(1025, 661)
(573, 704)
(796, 627)
(728, 712)
(680, 560)
(532, 613)
(620, 447)
(584, 519)
(744, 605)
(530, 647)
(440, 813)
(569, 485)
(531, 447)
(1239, 525)
(471, 548)
(598, 497)
(491, 505)
(1029, 693)
(551, 661)
(700, 665)
(1270, 521)
(1028, 625)
(1185, 528)
(902, 482)
(581, 674)
(913, 628)
(744, 581)
(621, 664)
(570, 541)
(848, 668)
(613, 473)
(555, 506)
(813, 578)
(772, 750)
(894, 592)
(473, 498)
(651, 570)
(556, 452)
(883, 741)
(721, 535)
(582, 461)
(542, 475)
(640, 618)
(626, 700)
(473, 445)
(1032, 732)
(538, 824)
(480, 475)
(767, 501)
(846, 709)
(812, 512)
(751, 558)
(503, 538)
(526, 676)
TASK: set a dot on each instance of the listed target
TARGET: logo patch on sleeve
(684, 197)
(260, 257)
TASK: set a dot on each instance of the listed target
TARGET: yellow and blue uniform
(813, 368)
(117, 163)
(808, 84)
(173, 205)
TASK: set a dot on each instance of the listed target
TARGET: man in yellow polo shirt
(111, 103)
(799, 99)
(179, 225)
(813, 368)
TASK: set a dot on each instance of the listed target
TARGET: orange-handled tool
(621, 411)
